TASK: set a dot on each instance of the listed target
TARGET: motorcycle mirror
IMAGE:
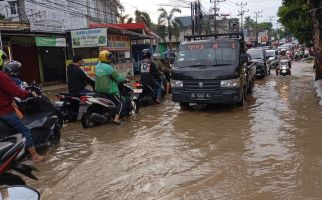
(18, 192)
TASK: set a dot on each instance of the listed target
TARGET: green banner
(50, 42)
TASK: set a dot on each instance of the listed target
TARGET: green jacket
(107, 79)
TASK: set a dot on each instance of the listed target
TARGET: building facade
(63, 14)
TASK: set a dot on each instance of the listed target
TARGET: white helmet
(283, 50)
(156, 56)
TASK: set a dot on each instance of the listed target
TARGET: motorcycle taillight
(84, 98)
(59, 97)
(137, 85)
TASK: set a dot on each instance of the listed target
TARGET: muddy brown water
(269, 149)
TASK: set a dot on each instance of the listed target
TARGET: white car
(272, 58)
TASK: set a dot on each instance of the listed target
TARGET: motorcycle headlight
(230, 83)
(175, 83)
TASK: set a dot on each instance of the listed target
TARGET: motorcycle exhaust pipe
(99, 118)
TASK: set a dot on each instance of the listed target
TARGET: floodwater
(269, 149)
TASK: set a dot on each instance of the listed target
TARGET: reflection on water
(270, 149)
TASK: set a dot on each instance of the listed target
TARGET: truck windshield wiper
(192, 66)
(220, 64)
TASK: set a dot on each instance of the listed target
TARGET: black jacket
(77, 79)
(149, 73)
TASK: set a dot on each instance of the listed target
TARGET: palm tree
(142, 17)
(125, 19)
(168, 20)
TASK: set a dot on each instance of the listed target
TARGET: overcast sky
(269, 7)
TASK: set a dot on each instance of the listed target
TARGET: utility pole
(216, 9)
(257, 15)
(241, 13)
(21, 11)
(196, 17)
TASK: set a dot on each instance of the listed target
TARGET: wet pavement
(269, 149)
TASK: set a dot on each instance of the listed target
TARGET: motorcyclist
(107, 80)
(9, 90)
(77, 79)
(150, 74)
(12, 69)
(163, 69)
(3, 57)
(283, 56)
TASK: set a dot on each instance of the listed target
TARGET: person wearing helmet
(9, 90)
(150, 74)
(12, 69)
(163, 69)
(77, 79)
(3, 57)
(283, 56)
(107, 80)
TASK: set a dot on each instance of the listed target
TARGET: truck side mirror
(243, 59)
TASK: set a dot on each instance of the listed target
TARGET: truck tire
(250, 88)
(184, 106)
(242, 102)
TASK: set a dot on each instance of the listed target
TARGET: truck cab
(212, 69)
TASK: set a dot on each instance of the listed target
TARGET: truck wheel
(243, 100)
(184, 106)
(250, 89)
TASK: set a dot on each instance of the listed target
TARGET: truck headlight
(230, 83)
(175, 83)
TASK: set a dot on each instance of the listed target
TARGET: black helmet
(12, 68)
(146, 53)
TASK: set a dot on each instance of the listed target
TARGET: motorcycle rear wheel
(86, 120)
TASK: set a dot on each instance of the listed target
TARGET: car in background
(272, 58)
(258, 56)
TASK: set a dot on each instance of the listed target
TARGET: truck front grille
(201, 85)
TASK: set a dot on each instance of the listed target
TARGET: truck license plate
(200, 96)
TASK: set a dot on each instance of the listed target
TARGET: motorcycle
(97, 109)
(145, 94)
(284, 67)
(69, 105)
(11, 150)
(40, 116)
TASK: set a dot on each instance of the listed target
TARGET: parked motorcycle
(11, 149)
(284, 67)
(97, 109)
(40, 116)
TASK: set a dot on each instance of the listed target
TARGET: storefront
(89, 42)
(42, 55)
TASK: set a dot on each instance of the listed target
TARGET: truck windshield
(208, 54)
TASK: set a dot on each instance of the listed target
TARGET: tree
(316, 13)
(249, 23)
(167, 19)
(2, 17)
(125, 19)
(294, 16)
(142, 17)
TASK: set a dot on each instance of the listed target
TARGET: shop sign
(50, 42)
(126, 69)
(119, 42)
(89, 38)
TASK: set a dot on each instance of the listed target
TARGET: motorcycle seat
(5, 147)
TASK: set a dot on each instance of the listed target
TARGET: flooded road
(269, 149)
